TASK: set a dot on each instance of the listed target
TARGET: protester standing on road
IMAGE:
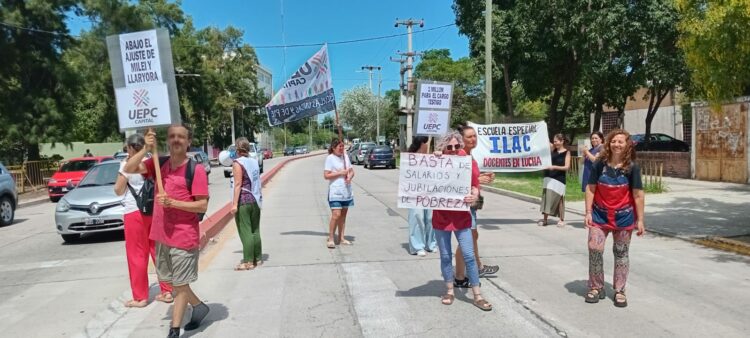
(447, 222)
(470, 142)
(614, 203)
(339, 173)
(246, 203)
(553, 192)
(137, 227)
(175, 221)
(421, 234)
(590, 156)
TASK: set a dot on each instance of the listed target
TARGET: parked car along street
(92, 206)
(267, 153)
(69, 174)
(198, 158)
(380, 156)
(254, 153)
(288, 151)
(659, 142)
(359, 151)
(8, 196)
(300, 150)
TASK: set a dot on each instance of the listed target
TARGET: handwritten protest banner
(512, 147)
(430, 182)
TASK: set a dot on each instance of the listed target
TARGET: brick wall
(676, 164)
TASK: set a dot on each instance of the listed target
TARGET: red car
(267, 153)
(71, 171)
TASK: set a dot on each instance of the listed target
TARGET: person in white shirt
(339, 173)
(137, 228)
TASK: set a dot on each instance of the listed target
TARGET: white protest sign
(435, 95)
(512, 147)
(432, 122)
(140, 58)
(143, 106)
(143, 79)
(430, 182)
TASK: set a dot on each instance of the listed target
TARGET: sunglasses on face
(136, 147)
(452, 147)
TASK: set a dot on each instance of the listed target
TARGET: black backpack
(145, 197)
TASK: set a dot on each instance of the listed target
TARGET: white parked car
(254, 153)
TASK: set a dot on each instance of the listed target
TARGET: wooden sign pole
(157, 165)
(338, 124)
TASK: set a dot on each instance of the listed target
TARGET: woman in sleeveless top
(246, 204)
(553, 191)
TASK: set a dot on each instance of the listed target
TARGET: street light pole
(488, 62)
(377, 101)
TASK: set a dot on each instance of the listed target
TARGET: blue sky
(333, 20)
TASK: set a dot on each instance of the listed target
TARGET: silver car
(92, 206)
(8, 196)
(254, 153)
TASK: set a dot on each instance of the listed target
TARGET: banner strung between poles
(516, 147)
(307, 93)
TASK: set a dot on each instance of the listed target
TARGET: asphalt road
(49, 288)
(374, 288)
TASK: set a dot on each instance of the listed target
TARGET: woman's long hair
(417, 143)
(629, 155)
(334, 143)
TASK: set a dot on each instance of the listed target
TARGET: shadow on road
(433, 288)
(581, 287)
(217, 312)
(730, 258)
(315, 233)
(698, 217)
(99, 237)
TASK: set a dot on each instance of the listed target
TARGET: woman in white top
(339, 173)
(137, 228)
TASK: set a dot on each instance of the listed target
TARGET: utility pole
(377, 101)
(488, 62)
(410, 82)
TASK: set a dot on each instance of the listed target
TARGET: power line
(354, 40)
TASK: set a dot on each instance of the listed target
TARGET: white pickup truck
(254, 153)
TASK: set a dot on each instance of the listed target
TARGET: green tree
(36, 86)
(357, 111)
(714, 36)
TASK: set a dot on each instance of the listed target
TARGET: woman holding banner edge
(447, 222)
(553, 191)
(421, 235)
(470, 142)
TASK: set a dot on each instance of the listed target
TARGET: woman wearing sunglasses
(448, 222)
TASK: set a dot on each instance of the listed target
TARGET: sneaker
(199, 313)
(174, 332)
(461, 283)
(488, 270)
(421, 253)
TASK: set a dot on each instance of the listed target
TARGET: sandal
(345, 242)
(136, 303)
(561, 224)
(244, 267)
(165, 297)
(447, 299)
(620, 299)
(594, 295)
(483, 305)
(331, 244)
(541, 223)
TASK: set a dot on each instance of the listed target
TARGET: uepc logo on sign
(143, 77)
(433, 108)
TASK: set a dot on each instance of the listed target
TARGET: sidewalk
(690, 210)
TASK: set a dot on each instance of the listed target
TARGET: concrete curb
(32, 202)
(213, 224)
(714, 242)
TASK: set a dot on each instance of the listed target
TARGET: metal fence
(33, 175)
